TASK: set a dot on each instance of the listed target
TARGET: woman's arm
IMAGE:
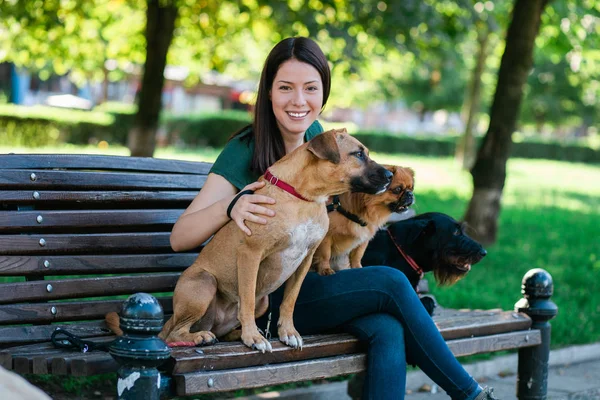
(208, 212)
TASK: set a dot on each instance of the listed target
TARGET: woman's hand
(248, 208)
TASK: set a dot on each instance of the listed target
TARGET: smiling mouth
(297, 114)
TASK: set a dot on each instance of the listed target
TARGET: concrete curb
(508, 364)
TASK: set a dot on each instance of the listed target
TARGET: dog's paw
(356, 265)
(204, 338)
(326, 271)
(256, 341)
(290, 337)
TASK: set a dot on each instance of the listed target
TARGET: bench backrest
(79, 233)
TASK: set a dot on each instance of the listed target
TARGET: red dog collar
(273, 180)
(408, 258)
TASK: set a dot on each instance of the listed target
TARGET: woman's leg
(326, 303)
(386, 360)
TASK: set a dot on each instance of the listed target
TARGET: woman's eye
(312, 88)
(284, 87)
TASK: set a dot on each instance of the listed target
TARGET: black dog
(427, 242)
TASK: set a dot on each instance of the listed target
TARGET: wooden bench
(80, 233)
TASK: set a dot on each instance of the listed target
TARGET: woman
(377, 304)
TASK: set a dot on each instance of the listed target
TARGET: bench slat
(25, 334)
(237, 355)
(46, 179)
(457, 323)
(95, 162)
(66, 311)
(125, 219)
(82, 197)
(197, 382)
(85, 243)
(59, 265)
(87, 287)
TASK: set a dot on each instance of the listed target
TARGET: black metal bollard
(532, 379)
(139, 351)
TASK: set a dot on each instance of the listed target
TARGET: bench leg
(532, 375)
(140, 351)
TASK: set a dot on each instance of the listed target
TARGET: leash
(413, 264)
(273, 180)
(71, 341)
(336, 205)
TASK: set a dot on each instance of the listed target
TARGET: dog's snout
(408, 198)
(482, 252)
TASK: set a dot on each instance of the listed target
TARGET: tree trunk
(465, 149)
(489, 171)
(160, 25)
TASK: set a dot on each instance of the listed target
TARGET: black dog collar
(337, 206)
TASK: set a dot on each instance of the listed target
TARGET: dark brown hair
(268, 142)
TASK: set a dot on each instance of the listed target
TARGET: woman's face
(297, 97)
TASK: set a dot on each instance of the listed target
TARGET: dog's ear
(418, 229)
(325, 147)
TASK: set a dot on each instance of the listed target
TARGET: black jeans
(378, 305)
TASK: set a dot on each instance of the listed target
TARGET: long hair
(268, 142)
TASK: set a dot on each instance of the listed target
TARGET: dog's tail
(112, 322)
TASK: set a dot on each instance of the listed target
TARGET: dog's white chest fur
(302, 237)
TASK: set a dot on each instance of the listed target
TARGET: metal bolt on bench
(139, 351)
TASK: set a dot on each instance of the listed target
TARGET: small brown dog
(231, 279)
(355, 218)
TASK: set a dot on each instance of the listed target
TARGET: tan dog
(231, 279)
(355, 219)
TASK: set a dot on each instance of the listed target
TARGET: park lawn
(549, 220)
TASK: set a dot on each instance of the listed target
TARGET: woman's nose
(298, 99)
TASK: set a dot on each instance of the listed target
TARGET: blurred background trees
(428, 57)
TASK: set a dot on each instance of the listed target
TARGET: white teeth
(298, 115)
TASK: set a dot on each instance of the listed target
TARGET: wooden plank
(93, 197)
(108, 264)
(65, 311)
(498, 342)
(197, 382)
(457, 324)
(93, 364)
(95, 243)
(237, 355)
(86, 287)
(87, 161)
(18, 221)
(41, 365)
(50, 179)
(26, 334)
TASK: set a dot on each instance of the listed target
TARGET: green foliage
(205, 129)
(46, 126)
(445, 146)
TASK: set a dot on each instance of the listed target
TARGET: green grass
(549, 220)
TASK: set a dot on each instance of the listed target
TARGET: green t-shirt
(234, 161)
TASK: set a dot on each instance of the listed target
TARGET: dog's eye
(397, 190)
(360, 155)
(456, 232)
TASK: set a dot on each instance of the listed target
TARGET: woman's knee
(389, 278)
(379, 329)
